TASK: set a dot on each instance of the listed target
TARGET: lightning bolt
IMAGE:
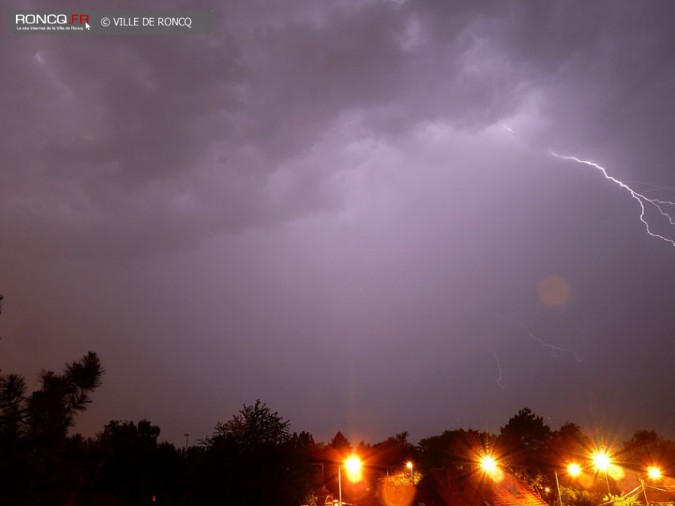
(553, 347)
(642, 200)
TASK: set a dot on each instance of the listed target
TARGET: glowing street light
(354, 467)
(602, 462)
(409, 465)
(488, 464)
(654, 473)
(573, 469)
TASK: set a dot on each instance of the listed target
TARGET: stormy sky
(348, 210)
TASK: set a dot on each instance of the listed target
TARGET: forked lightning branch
(666, 208)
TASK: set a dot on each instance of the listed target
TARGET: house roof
(457, 487)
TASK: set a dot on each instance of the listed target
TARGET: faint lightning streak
(500, 375)
(550, 346)
(639, 197)
(555, 348)
(357, 286)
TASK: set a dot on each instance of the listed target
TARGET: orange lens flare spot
(616, 472)
(554, 291)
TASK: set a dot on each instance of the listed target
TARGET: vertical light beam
(642, 200)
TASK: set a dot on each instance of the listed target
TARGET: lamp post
(340, 485)
(602, 461)
(557, 484)
(410, 466)
(654, 474)
(353, 466)
(574, 470)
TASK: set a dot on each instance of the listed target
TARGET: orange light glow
(616, 472)
(409, 464)
(601, 461)
(488, 464)
(554, 291)
(655, 473)
(574, 469)
(354, 468)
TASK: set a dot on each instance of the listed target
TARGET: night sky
(350, 211)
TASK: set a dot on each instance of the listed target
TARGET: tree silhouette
(394, 451)
(453, 448)
(38, 460)
(568, 443)
(647, 448)
(254, 425)
(12, 412)
(253, 459)
(51, 409)
(134, 466)
(340, 442)
(523, 441)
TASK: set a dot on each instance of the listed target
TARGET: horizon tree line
(254, 458)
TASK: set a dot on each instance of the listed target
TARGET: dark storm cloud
(606, 70)
(188, 131)
(322, 205)
(124, 135)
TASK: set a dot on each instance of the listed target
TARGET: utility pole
(644, 491)
(557, 483)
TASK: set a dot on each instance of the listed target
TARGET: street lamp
(574, 470)
(654, 473)
(353, 465)
(488, 464)
(410, 466)
(602, 461)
